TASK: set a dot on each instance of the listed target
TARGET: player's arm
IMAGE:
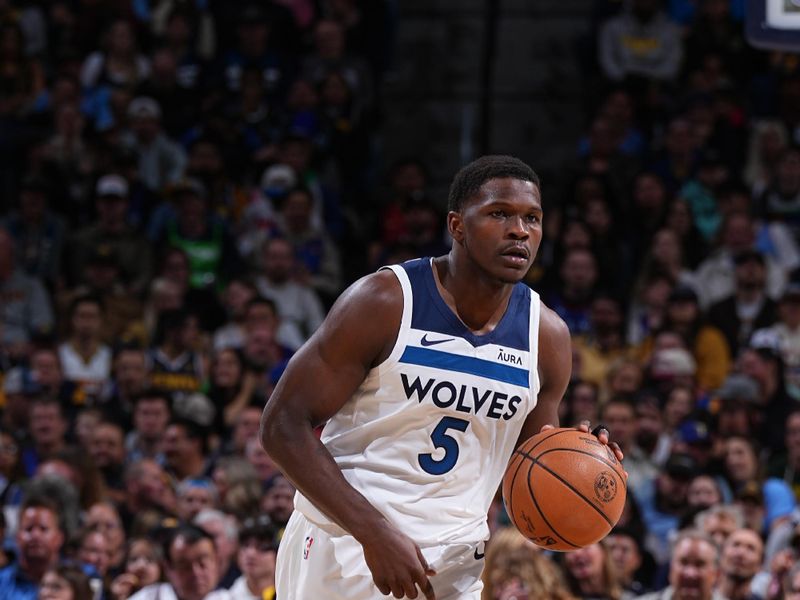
(555, 368)
(358, 333)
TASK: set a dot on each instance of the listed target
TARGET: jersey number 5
(442, 440)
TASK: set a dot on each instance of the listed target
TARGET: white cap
(278, 177)
(144, 108)
(112, 185)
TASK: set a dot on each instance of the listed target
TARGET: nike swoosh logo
(426, 342)
(479, 556)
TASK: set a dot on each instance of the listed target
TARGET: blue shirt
(14, 585)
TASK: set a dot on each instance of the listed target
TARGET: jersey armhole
(405, 320)
(535, 320)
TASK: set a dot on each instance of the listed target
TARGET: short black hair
(191, 535)
(470, 178)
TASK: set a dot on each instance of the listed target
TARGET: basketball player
(428, 374)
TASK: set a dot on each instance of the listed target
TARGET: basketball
(563, 489)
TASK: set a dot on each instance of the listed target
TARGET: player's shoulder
(373, 297)
(552, 328)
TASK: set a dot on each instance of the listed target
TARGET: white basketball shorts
(313, 564)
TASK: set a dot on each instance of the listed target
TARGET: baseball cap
(672, 362)
(694, 432)
(112, 185)
(277, 180)
(738, 387)
(680, 466)
(195, 407)
(143, 107)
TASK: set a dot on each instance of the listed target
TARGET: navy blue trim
(431, 312)
(437, 359)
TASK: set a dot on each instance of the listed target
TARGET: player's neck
(478, 303)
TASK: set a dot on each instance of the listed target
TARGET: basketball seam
(541, 513)
(569, 485)
(510, 507)
(593, 455)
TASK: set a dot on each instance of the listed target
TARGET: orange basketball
(563, 489)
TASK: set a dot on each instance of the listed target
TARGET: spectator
(704, 492)
(709, 347)
(604, 343)
(25, 309)
(130, 379)
(786, 465)
(86, 360)
(48, 427)
(204, 237)
(748, 308)
(742, 467)
(657, 56)
(111, 230)
(662, 503)
(784, 335)
(740, 561)
(107, 450)
(236, 298)
(65, 582)
(161, 161)
(619, 414)
(104, 518)
(147, 490)
(256, 560)
(764, 366)
(174, 367)
(298, 305)
(720, 270)
(185, 450)
(627, 556)
(693, 569)
(572, 301)
(142, 568)
(37, 231)
(590, 573)
(194, 496)
(232, 387)
(190, 566)
(39, 538)
(278, 501)
(516, 568)
(222, 527)
(316, 253)
(151, 414)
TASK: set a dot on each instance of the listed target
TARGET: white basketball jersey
(427, 436)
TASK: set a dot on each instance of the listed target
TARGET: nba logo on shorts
(307, 549)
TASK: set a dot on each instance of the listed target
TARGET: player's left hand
(602, 434)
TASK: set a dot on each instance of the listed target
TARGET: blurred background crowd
(187, 185)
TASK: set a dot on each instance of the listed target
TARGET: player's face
(501, 228)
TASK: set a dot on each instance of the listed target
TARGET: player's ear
(455, 225)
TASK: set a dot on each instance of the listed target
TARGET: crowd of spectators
(187, 185)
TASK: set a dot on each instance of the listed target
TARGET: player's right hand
(397, 565)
